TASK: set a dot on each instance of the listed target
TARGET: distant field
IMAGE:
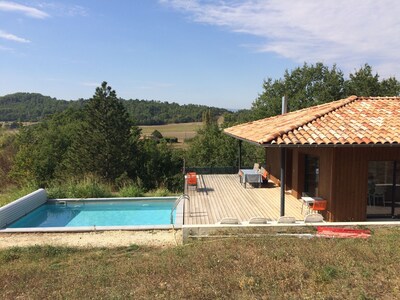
(180, 130)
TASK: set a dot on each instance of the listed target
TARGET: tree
(304, 86)
(159, 165)
(103, 145)
(41, 148)
(364, 83)
(311, 85)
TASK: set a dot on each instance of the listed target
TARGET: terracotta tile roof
(351, 121)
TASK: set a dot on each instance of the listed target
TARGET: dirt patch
(157, 238)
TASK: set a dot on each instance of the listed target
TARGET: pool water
(98, 213)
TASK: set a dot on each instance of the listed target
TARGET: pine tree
(103, 146)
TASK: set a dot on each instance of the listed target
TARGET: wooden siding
(220, 196)
(350, 181)
(343, 176)
(273, 162)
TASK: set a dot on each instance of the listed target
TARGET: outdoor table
(307, 200)
(249, 176)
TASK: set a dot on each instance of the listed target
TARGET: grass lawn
(180, 130)
(270, 267)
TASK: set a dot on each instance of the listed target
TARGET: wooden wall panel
(325, 156)
(343, 176)
(273, 160)
(350, 181)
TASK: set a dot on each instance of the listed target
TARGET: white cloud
(26, 10)
(64, 10)
(12, 37)
(347, 32)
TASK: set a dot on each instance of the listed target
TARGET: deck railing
(215, 170)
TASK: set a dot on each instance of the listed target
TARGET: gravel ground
(157, 238)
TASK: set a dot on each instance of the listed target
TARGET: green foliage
(31, 107)
(103, 145)
(158, 113)
(42, 148)
(131, 190)
(12, 193)
(88, 187)
(158, 164)
(364, 83)
(7, 154)
(304, 86)
(316, 84)
(161, 192)
(212, 148)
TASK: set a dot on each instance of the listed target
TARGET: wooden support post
(283, 171)
(240, 155)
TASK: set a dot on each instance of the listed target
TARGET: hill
(32, 107)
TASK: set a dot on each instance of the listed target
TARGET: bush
(131, 191)
(161, 192)
(89, 187)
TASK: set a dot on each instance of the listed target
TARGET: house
(346, 151)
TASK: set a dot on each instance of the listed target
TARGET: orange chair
(319, 205)
(191, 178)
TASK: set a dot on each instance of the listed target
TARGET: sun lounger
(258, 220)
(229, 221)
(313, 218)
(286, 220)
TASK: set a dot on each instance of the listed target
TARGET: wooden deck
(220, 196)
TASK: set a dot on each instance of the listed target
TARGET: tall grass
(15, 192)
(88, 187)
(131, 190)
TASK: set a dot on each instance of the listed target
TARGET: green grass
(12, 193)
(89, 187)
(264, 268)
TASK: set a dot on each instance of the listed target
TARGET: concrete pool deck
(108, 239)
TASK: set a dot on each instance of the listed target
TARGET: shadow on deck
(220, 196)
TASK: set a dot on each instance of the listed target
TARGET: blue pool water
(98, 213)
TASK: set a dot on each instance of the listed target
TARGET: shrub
(131, 191)
(160, 192)
(88, 187)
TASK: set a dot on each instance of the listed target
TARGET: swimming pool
(98, 213)
(92, 214)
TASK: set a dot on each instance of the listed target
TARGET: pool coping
(178, 218)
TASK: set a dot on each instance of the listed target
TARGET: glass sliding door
(311, 179)
(383, 198)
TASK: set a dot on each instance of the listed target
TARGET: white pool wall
(22, 206)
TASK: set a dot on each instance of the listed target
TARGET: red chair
(191, 179)
(319, 205)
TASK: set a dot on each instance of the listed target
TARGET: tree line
(33, 107)
(313, 84)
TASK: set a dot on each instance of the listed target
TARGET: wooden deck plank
(226, 197)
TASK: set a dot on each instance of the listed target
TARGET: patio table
(250, 176)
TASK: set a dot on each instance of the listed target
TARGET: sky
(216, 53)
